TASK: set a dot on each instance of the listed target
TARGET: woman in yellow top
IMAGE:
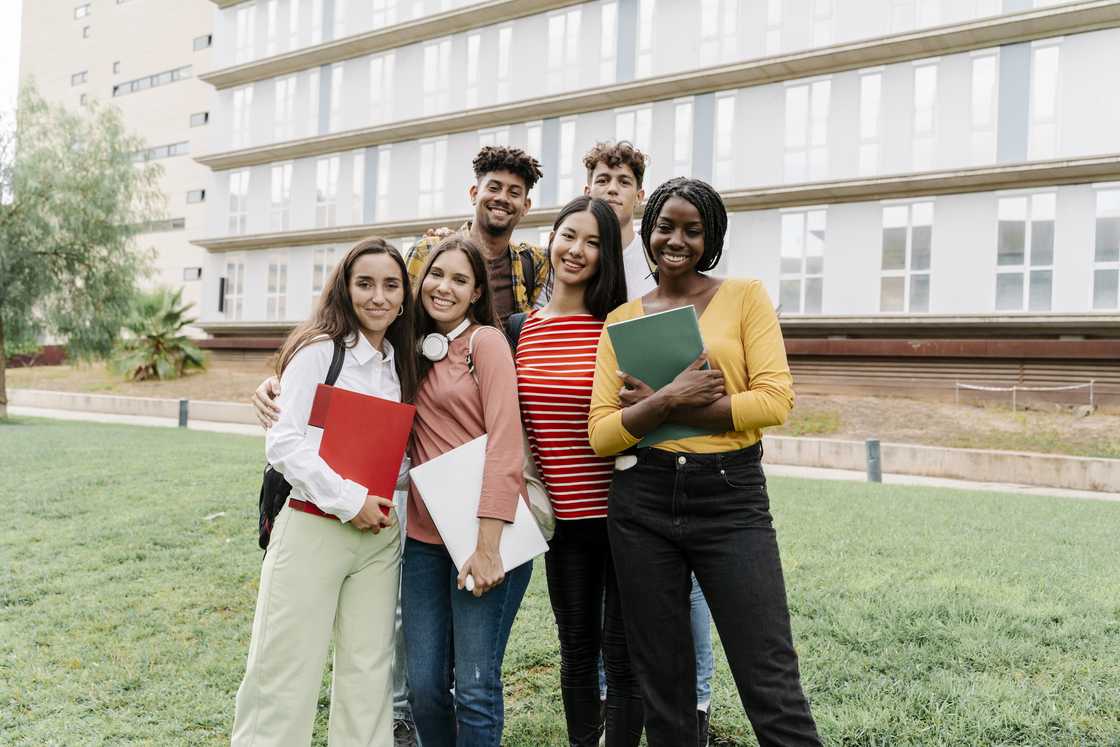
(699, 504)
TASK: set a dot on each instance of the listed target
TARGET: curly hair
(622, 153)
(514, 160)
(706, 200)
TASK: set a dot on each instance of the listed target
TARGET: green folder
(655, 348)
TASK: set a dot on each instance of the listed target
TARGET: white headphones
(434, 346)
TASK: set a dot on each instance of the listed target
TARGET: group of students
(639, 531)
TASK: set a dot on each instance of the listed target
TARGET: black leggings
(672, 515)
(580, 576)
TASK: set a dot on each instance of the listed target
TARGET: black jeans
(673, 514)
(580, 576)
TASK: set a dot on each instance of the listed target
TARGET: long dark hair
(607, 288)
(479, 312)
(706, 200)
(334, 317)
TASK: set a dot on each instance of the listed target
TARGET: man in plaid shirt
(500, 195)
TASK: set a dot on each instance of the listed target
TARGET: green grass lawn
(922, 617)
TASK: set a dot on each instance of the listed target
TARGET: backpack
(274, 488)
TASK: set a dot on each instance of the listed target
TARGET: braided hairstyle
(707, 202)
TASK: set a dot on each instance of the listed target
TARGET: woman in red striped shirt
(555, 371)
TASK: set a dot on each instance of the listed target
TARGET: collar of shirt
(363, 351)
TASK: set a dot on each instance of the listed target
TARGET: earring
(400, 310)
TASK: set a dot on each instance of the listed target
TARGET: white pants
(321, 577)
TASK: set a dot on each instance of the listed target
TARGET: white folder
(450, 486)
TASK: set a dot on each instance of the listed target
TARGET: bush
(155, 347)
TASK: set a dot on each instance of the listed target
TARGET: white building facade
(863, 175)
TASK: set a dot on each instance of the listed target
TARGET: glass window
(326, 191)
(203, 42)
(907, 254)
(682, 138)
(719, 21)
(505, 62)
(1025, 253)
(646, 13)
(1106, 251)
(81, 11)
(233, 296)
(773, 42)
(277, 298)
(870, 113)
(634, 125)
(196, 195)
(433, 159)
(437, 76)
(384, 169)
(334, 117)
(565, 176)
(925, 124)
(563, 50)
(244, 21)
(806, 125)
(242, 111)
(284, 116)
(984, 103)
(381, 87)
(474, 49)
(238, 201)
(323, 261)
(608, 42)
(801, 286)
(280, 216)
(1045, 65)
(358, 188)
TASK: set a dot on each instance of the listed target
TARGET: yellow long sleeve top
(743, 340)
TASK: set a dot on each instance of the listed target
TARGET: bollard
(183, 407)
(874, 463)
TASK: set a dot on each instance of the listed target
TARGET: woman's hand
(264, 406)
(371, 516)
(633, 390)
(695, 387)
(485, 565)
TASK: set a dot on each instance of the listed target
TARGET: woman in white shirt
(333, 559)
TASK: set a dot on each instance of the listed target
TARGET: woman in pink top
(555, 371)
(455, 638)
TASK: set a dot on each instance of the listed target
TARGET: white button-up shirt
(639, 278)
(292, 447)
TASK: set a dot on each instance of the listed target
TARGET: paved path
(776, 470)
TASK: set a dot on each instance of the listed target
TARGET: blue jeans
(453, 639)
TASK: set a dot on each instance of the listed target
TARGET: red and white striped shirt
(555, 371)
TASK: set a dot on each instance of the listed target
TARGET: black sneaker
(404, 733)
(702, 731)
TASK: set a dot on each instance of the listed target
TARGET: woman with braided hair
(699, 504)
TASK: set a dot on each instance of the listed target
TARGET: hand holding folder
(364, 437)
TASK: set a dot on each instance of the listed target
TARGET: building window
(316, 21)
(505, 62)
(719, 20)
(493, 136)
(384, 171)
(907, 249)
(1045, 69)
(280, 209)
(474, 50)
(85, 32)
(433, 159)
(984, 103)
(233, 290)
(242, 110)
(198, 119)
(563, 50)
(152, 81)
(608, 42)
(161, 226)
(313, 101)
(116, 67)
(634, 125)
(646, 13)
(1106, 253)
(870, 120)
(802, 261)
(533, 137)
(284, 104)
(202, 42)
(191, 274)
(384, 13)
(277, 300)
(334, 118)
(822, 23)
(773, 42)
(565, 171)
(723, 173)
(162, 151)
(196, 195)
(807, 131)
(78, 79)
(339, 19)
(682, 138)
(81, 11)
(323, 260)
(82, 99)
(245, 21)
(437, 76)
(293, 23)
(1025, 253)
(326, 191)
(271, 27)
(238, 201)
(358, 187)
(381, 87)
(925, 116)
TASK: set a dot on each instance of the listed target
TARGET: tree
(73, 199)
(156, 347)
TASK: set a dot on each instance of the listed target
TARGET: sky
(9, 52)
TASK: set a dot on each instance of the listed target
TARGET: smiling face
(500, 199)
(376, 294)
(677, 240)
(448, 290)
(574, 249)
(618, 186)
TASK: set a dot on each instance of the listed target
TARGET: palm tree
(155, 347)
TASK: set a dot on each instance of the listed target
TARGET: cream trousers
(321, 578)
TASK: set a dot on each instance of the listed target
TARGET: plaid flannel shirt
(523, 301)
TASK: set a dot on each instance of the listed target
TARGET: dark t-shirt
(501, 285)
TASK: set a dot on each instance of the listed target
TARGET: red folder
(364, 437)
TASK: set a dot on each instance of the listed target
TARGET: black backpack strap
(526, 256)
(336, 363)
(513, 329)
